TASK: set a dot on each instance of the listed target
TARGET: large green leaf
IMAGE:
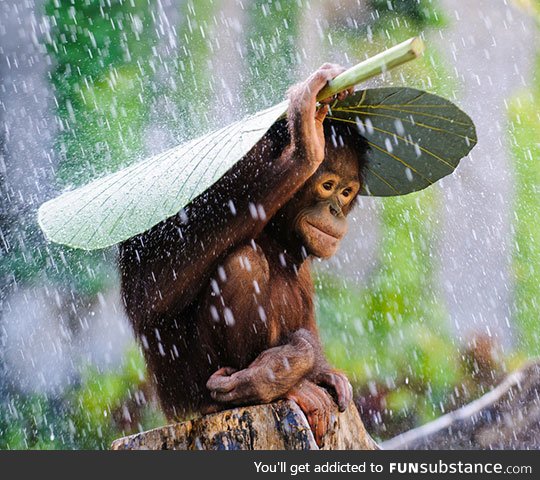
(116, 207)
(415, 138)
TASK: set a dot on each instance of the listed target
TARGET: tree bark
(277, 426)
(508, 417)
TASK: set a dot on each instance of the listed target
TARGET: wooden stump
(277, 426)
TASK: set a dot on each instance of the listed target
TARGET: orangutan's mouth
(331, 236)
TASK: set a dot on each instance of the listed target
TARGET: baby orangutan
(221, 295)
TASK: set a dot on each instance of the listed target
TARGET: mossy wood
(277, 426)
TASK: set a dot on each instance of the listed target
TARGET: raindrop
(261, 212)
(229, 317)
(409, 174)
(214, 313)
(369, 126)
(222, 274)
(215, 287)
(253, 211)
(360, 125)
(400, 130)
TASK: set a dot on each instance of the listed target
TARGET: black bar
(282, 464)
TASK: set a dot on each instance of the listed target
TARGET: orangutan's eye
(346, 192)
(328, 185)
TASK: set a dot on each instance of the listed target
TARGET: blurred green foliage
(30, 259)
(101, 65)
(89, 415)
(272, 51)
(417, 13)
(389, 334)
(190, 86)
(101, 53)
(524, 129)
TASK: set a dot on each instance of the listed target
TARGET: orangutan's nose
(335, 209)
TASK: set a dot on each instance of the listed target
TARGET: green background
(390, 333)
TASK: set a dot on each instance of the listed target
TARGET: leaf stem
(393, 57)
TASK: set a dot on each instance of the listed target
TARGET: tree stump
(507, 417)
(277, 426)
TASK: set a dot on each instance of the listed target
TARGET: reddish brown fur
(223, 302)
